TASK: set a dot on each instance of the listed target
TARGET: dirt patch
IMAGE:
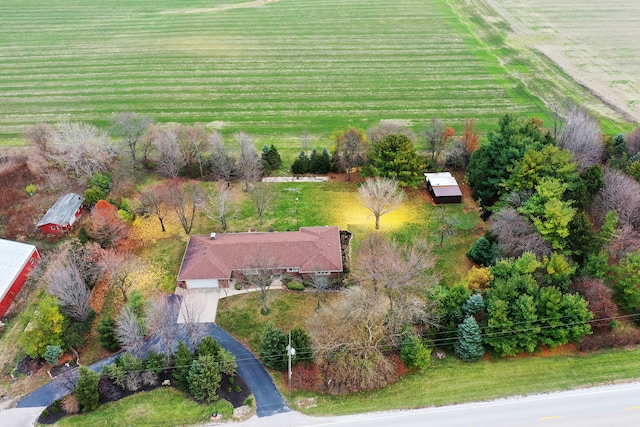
(222, 8)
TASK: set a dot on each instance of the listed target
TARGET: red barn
(16, 262)
(62, 215)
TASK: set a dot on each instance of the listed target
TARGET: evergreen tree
(474, 306)
(273, 350)
(301, 341)
(469, 345)
(107, 334)
(86, 390)
(204, 378)
(182, 363)
(208, 346)
(395, 157)
(301, 164)
(270, 159)
(414, 354)
(483, 252)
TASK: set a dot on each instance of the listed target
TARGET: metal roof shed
(443, 187)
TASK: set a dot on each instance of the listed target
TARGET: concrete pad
(198, 305)
(20, 417)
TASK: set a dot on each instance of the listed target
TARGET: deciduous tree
(65, 282)
(129, 127)
(106, 228)
(380, 196)
(223, 165)
(153, 200)
(130, 332)
(186, 199)
(81, 148)
(121, 268)
(221, 207)
(517, 235)
(262, 195)
(350, 149)
(170, 158)
(581, 135)
(46, 328)
(620, 193)
(249, 162)
(349, 341)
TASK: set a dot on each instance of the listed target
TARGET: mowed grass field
(271, 68)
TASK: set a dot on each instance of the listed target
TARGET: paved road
(617, 405)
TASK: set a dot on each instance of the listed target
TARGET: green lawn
(163, 406)
(273, 70)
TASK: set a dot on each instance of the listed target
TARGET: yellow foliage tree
(478, 278)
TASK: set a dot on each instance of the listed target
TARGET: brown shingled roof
(309, 249)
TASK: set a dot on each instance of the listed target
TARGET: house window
(251, 272)
(53, 227)
(322, 273)
(293, 269)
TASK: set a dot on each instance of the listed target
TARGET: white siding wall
(202, 283)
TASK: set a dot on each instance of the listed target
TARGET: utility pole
(297, 222)
(291, 352)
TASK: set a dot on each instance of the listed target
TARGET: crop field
(272, 68)
(595, 45)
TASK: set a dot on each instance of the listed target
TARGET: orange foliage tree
(106, 227)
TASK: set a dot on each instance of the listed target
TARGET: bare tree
(185, 199)
(81, 148)
(194, 146)
(351, 146)
(41, 135)
(581, 136)
(121, 267)
(191, 311)
(633, 142)
(401, 272)
(130, 332)
(377, 133)
(250, 162)
(85, 258)
(64, 281)
(170, 159)
(434, 137)
(448, 224)
(349, 340)
(147, 143)
(258, 268)
(517, 235)
(626, 241)
(380, 196)
(305, 141)
(162, 315)
(152, 200)
(223, 164)
(262, 195)
(221, 207)
(130, 127)
(620, 193)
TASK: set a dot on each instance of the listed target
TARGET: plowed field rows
(271, 68)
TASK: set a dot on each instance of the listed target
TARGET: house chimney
(213, 236)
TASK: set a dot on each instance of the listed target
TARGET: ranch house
(62, 215)
(16, 262)
(214, 260)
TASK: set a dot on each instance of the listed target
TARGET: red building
(62, 215)
(16, 262)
